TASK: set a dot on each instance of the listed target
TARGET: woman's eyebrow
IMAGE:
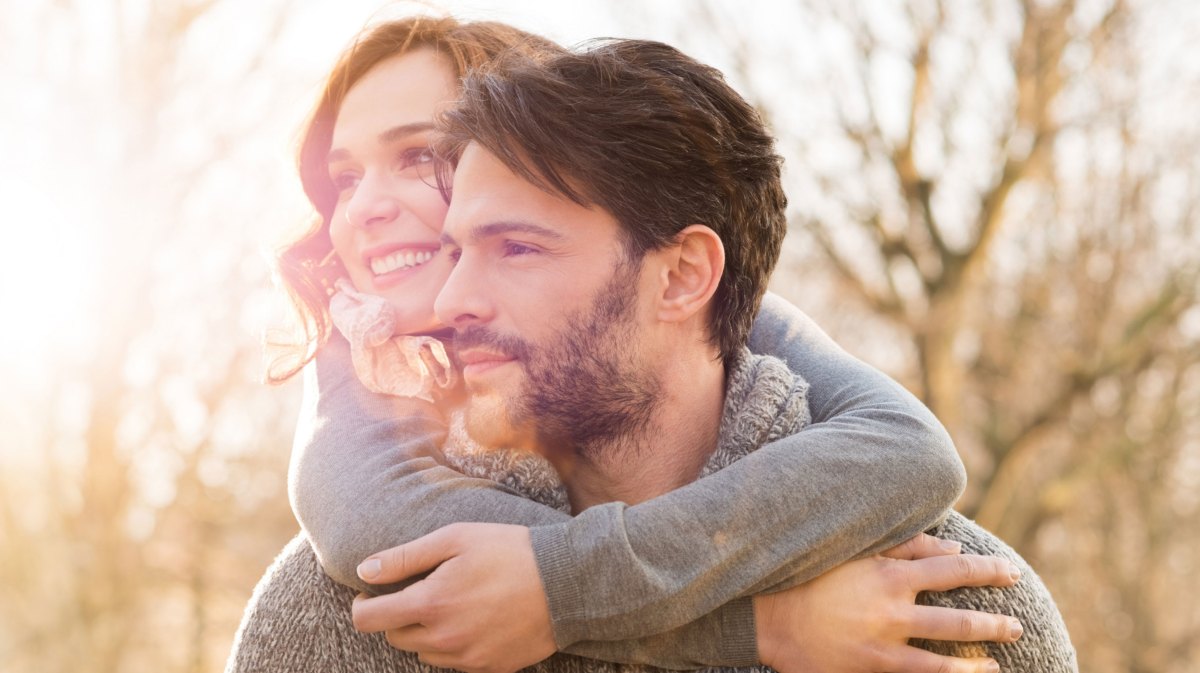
(403, 131)
(391, 135)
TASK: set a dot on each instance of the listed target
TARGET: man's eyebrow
(391, 135)
(491, 229)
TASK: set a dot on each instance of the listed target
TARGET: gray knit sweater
(298, 619)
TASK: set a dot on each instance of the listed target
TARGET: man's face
(548, 313)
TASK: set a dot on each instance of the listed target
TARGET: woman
(366, 140)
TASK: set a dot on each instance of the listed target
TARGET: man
(649, 218)
(599, 318)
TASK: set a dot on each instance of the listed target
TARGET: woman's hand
(859, 616)
(482, 609)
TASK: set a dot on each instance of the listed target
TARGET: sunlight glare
(48, 279)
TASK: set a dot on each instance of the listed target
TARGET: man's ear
(692, 270)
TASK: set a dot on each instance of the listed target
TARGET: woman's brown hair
(307, 265)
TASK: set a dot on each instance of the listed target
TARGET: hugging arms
(873, 470)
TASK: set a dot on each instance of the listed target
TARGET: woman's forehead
(403, 90)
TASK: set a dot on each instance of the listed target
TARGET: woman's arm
(367, 472)
(874, 469)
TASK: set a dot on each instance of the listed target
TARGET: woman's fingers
(406, 560)
(923, 546)
(915, 660)
(943, 573)
(414, 638)
(935, 623)
(389, 611)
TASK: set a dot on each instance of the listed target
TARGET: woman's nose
(372, 203)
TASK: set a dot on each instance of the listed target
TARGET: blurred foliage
(995, 202)
(148, 491)
(1000, 203)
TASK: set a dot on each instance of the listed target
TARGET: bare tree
(997, 186)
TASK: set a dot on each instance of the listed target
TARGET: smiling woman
(388, 216)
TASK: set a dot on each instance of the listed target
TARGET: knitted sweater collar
(764, 401)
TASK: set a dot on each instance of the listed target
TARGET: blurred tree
(1010, 191)
(132, 542)
(1007, 191)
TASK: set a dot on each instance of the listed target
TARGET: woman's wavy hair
(307, 265)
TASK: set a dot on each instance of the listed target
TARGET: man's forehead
(486, 191)
(481, 189)
(479, 172)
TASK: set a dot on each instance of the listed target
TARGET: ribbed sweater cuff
(555, 565)
(739, 644)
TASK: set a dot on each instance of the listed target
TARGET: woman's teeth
(399, 260)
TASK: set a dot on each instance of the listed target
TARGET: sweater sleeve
(874, 469)
(367, 472)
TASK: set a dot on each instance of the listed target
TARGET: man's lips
(476, 362)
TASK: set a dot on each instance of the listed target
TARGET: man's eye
(454, 254)
(513, 249)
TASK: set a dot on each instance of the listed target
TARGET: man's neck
(669, 452)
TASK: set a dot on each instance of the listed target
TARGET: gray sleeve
(873, 470)
(367, 472)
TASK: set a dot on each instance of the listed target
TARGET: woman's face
(388, 218)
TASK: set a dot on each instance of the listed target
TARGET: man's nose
(463, 299)
(373, 202)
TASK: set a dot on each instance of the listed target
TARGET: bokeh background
(996, 202)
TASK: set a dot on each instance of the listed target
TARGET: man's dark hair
(647, 133)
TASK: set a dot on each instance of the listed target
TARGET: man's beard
(585, 394)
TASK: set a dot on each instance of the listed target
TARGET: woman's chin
(416, 322)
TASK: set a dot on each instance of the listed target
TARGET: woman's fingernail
(1015, 629)
(951, 546)
(992, 667)
(369, 569)
(1014, 572)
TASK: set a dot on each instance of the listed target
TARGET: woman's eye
(415, 156)
(454, 254)
(345, 181)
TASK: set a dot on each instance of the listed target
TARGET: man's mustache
(477, 336)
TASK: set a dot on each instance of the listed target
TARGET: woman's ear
(692, 270)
